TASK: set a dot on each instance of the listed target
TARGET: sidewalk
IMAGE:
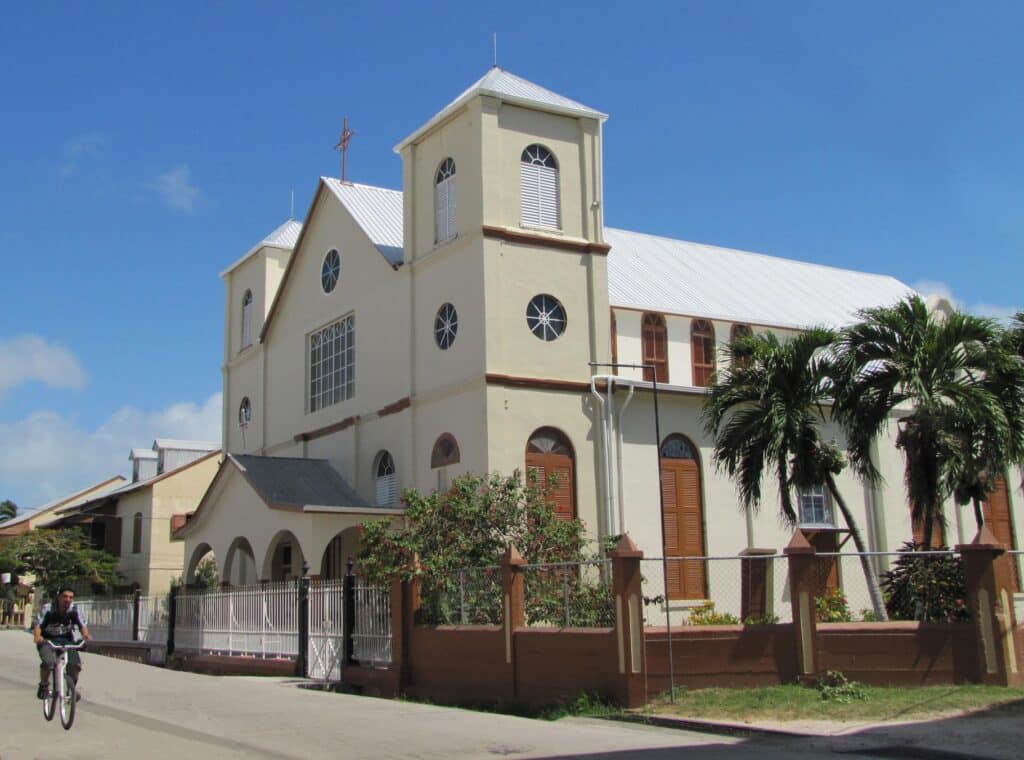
(988, 735)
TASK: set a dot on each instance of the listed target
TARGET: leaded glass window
(446, 325)
(330, 271)
(332, 363)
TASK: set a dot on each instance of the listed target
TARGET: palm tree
(935, 375)
(765, 415)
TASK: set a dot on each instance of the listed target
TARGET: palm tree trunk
(869, 574)
(979, 516)
(929, 520)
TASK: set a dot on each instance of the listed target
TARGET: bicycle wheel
(50, 701)
(67, 702)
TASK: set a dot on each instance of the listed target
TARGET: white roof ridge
(283, 236)
(377, 211)
(758, 254)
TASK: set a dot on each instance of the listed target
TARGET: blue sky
(145, 147)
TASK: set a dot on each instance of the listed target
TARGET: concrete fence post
(629, 622)
(803, 583)
(513, 607)
(988, 572)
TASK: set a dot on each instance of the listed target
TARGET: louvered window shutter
(550, 213)
(451, 228)
(441, 210)
(529, 186)
(247, 323)
(387, 490)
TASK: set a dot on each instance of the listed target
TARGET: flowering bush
(927, 587)
(831, 607)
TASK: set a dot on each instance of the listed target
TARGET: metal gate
(326, 604)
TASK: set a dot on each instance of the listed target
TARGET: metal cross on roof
(342, 145)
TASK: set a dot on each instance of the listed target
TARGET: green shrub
(705, 615)
(834, 686)
(925, 587)
(766, 619)
(831, 607)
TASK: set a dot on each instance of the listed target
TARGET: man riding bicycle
(56, 623)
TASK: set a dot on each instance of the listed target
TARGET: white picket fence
(371, 637)
(108, 619)
(326, 651)
(256, 621)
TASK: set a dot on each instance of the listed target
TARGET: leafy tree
(62, 557)
(469, 526)
(8, 509)
(933, 373)
(765, 414)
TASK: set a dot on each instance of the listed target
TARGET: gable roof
(178, 445)
(661, 274)
(509, 88)
(375, 211)
(284, 236)
(104, 486)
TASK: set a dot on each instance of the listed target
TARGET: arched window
(385, 481)
(444, 201)
(654, 343)
(740, 356)
(446, 451)
(683, 513)
(245, 412)
(247, 319)
(538, 186)
(702, 347)
(137, 533)
(548, 453)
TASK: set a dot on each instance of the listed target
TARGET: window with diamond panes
(330, 271)
(332, 371)
(446, 325)
(385, 480)
(538, 187)
(444, 201)
(247, 319)
(702, 345)
(545, 317)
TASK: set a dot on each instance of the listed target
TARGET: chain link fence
(468, 596)
(569, 594)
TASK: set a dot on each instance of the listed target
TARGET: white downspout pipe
(618, 457)
(605, 416)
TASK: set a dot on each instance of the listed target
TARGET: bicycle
(63, 688)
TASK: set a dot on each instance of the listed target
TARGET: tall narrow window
(444, 201)
(137, 533)
(245, 412)
(740, 355)
(548, 453)
(385, 481)
(332, 363)
(702, 347)
(247, 319)
(682, 519)
(654, 341)
(538, 185)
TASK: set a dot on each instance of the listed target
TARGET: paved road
(134, 711)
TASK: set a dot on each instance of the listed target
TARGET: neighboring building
(31, 519)
(135, 521)
(466, 324)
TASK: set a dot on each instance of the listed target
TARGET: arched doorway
(339, 551)
(240, 565)
(996, 511)
(683, 518)
(284, 558)
(550, 452)
(202, 568)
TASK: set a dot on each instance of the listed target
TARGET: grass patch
(783, 703)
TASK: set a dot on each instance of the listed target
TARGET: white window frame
(247, 301)
(444, 202)
(815, 508)
(540, 194)
(330, 363)
(385, 479)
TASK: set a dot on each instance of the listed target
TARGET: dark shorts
(48, 656)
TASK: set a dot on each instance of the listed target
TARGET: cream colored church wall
(367, 288)
(513, 414)
(244, 380)
(457, 138)
(573, 142)
(341, 450)
(461, 413)
(135, 566)
(514, 274)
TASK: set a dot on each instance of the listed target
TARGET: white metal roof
(284, 236)
(142, 454)
(171, 443)
(675, 276)
(512, 89)
(377, 210)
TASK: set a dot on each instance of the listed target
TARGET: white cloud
(28, 358)
(982, 309)
(46, 456)
(176, 188)
(76, 149)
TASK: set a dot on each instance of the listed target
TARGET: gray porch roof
(296, 482)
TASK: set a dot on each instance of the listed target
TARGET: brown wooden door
(562, 496)
(684, 528)
(997, 517)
